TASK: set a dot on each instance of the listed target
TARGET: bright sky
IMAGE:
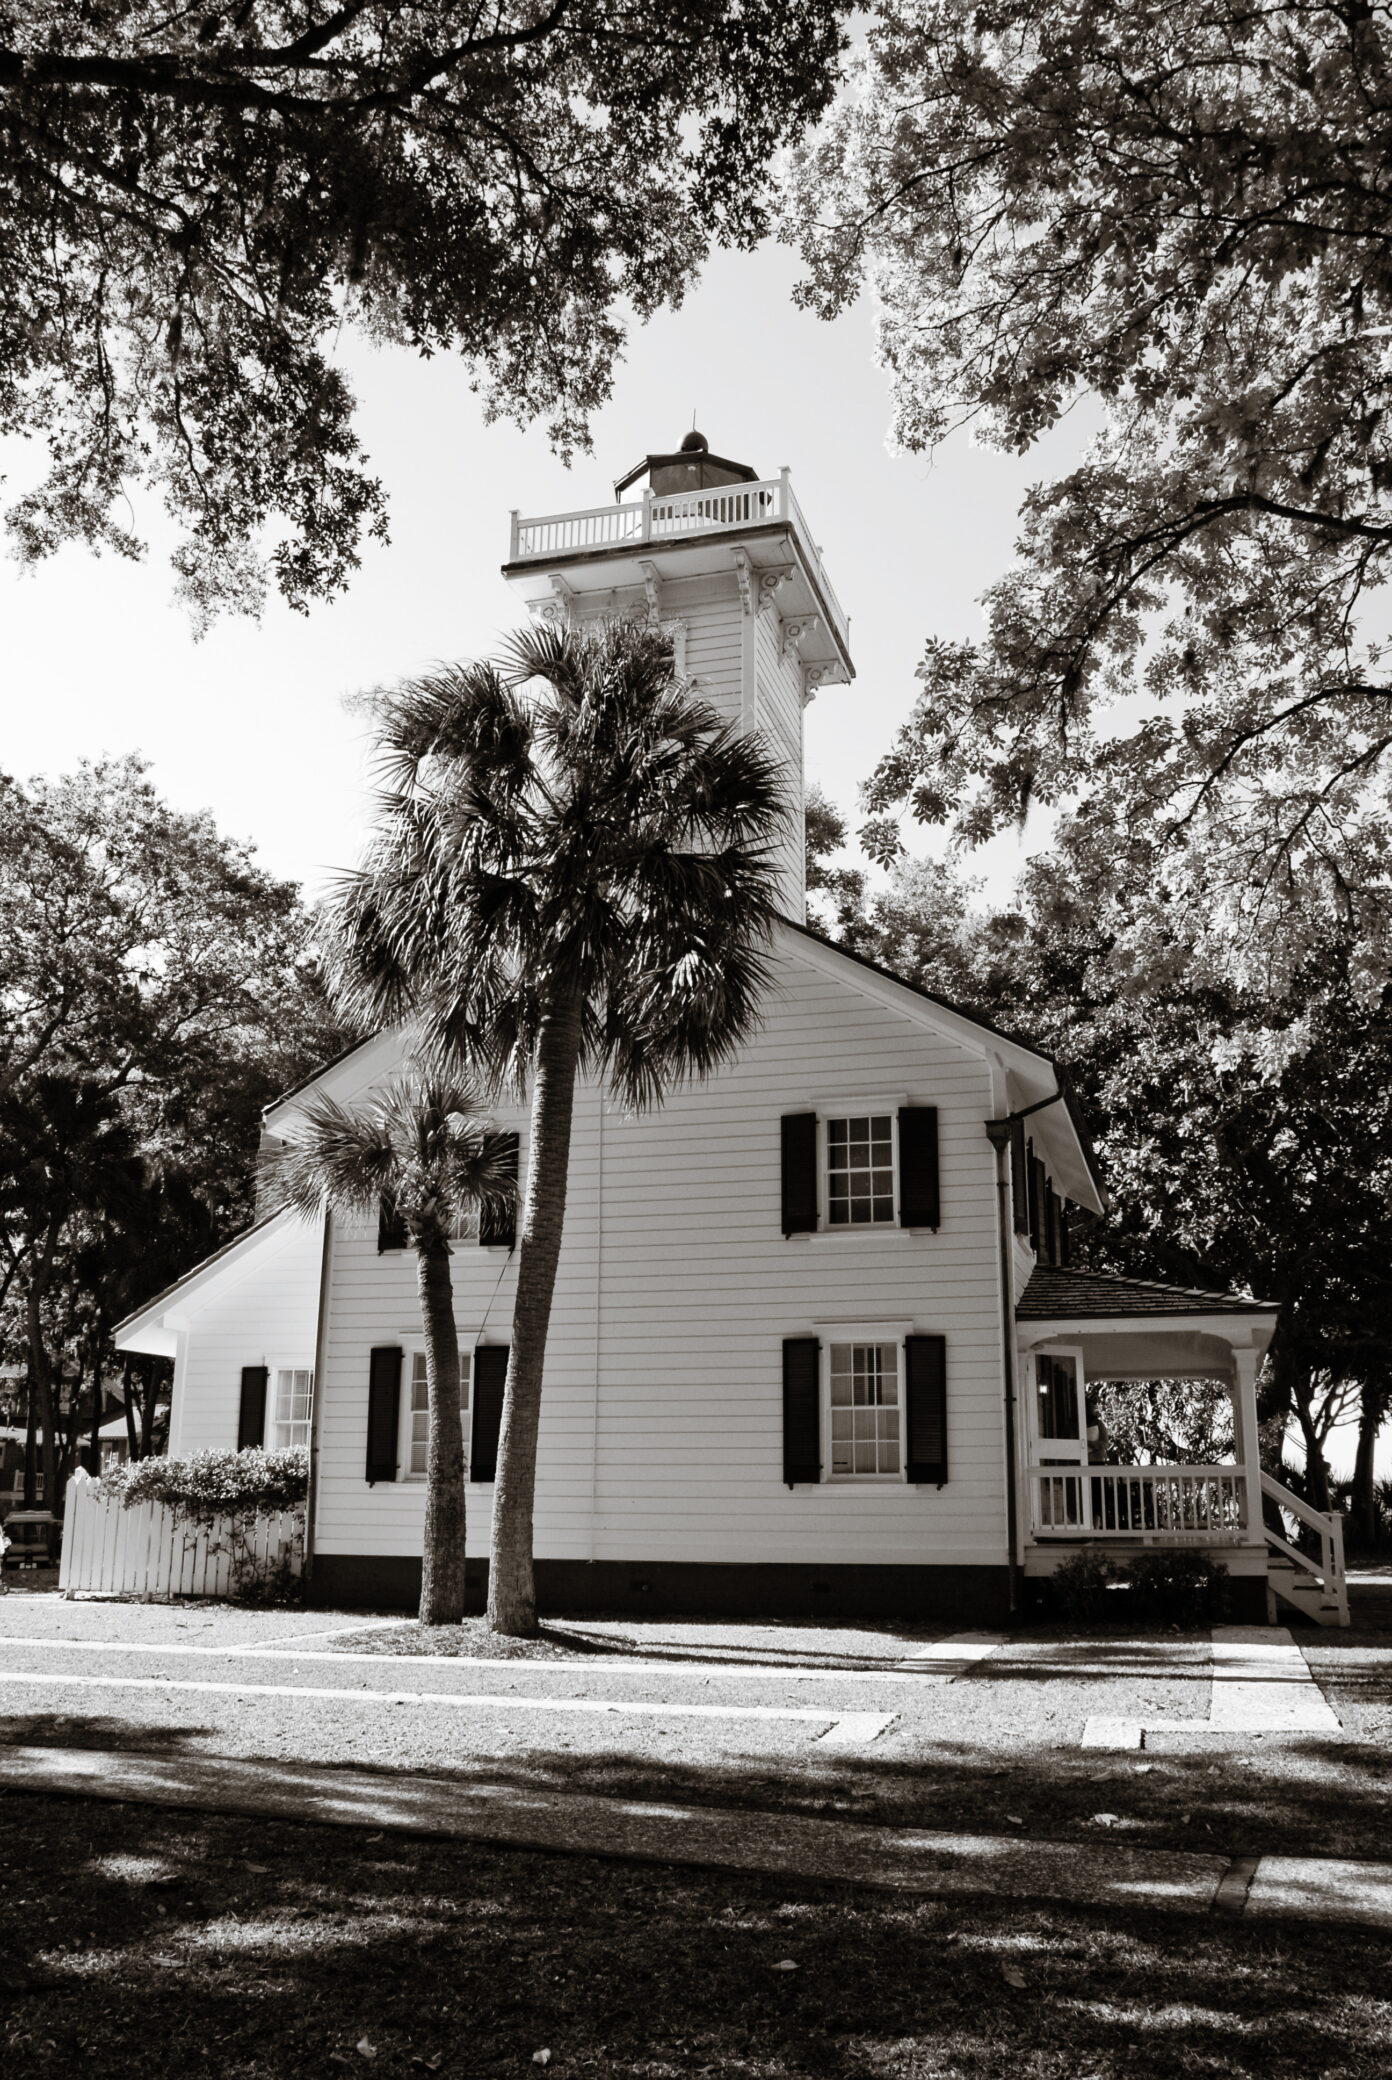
(250, 722)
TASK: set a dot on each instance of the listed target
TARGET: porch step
(1303, 1592)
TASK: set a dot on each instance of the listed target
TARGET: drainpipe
(998, 1133)
(316, 1397)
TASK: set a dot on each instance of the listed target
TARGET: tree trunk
(40, 1373)
(1372, 1414)
(147, 1410)
(132, 1441)
(511, 1582)
(31, 1443)
(442, 1563)
(1316, 1468)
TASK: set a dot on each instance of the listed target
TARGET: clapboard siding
(661, 1431)
(262, 1312)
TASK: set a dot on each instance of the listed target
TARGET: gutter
(998, 1133)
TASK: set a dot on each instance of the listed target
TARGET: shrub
(1080, 1587)
(1177, 1588)
(214, 1484)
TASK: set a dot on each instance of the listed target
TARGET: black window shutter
(1019, 1177)
(490, 1375)
(799, 1173)
(383, 1411)
(802, 1410)
(1052, 1224)
(925, 1367)
(251, 1416)
(391, 1229)
(498, 1226)
(1038, 1184)
(918, 1166)
(1065, 1255)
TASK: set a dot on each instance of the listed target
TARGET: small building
(816, 1346)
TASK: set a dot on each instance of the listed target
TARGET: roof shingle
(1056, 1293)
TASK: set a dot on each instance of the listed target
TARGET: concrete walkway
(780, 1845)
(1262, 1683)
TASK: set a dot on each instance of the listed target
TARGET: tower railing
(664, 516)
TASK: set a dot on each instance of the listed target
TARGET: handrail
(1318, 1520)
(1328, 1570)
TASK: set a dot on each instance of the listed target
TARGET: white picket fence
(147, 1553)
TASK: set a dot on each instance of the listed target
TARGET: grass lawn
(146, 1943)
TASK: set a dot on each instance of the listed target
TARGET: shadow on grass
(146, 1943)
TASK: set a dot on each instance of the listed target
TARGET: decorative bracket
(744, 571)
(791, 632)
(556, 609)
(652, 586)
(813, 676)
(770, 580)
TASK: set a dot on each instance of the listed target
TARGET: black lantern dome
(692, 468)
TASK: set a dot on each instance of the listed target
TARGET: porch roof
(1055, 1294)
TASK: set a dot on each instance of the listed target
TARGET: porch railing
(668, 515)
(1202, 1505)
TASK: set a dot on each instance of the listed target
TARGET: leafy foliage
(214, 1484)
(192, 203)
(418, 1145)
(1177, 1588)
(1079, 1586)
(156, 990)
(1180, 215)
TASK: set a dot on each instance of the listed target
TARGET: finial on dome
(695, 444)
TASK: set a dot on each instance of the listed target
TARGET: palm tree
(573, 870)
(417, 1146)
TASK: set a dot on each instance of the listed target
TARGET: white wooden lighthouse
(723, 558)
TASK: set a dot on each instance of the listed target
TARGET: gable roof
(1054, 1293)
(147, 1318)
(1031, 1063)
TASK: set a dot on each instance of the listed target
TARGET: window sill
(876, 1233)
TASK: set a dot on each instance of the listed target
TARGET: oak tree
(193, 201)
(1179, 218)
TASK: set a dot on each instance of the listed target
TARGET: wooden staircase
(1304, 1582)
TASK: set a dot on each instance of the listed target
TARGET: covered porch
(1079, 1330)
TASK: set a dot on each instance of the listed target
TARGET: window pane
(290, 1401)
(860, 1170)
(864, 1380)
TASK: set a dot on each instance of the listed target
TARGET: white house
(816, 1347)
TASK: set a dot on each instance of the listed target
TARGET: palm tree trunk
(442, 1562)
(511, 1581)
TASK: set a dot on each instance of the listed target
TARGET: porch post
(1245, 1437)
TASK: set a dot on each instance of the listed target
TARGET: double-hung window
(291, 1394)
(866, 1440)
(415, 1442)
(847, 1166)
(860, 1169)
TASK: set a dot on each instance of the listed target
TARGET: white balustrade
(668, 516)
(1157, 1504)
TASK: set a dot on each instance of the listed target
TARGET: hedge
(214, 1484)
